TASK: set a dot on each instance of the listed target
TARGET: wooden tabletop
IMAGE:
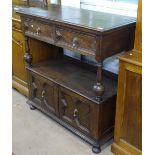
(98, 21)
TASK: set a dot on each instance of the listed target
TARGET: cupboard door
(49, 97)
(18, 64)
(18, 54)
(74, 110)
(128, 125)
(44, 94)
(35, 89)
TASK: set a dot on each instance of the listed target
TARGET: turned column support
(27, 55)
(99, 86)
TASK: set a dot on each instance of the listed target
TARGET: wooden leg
(27, 55)
(98, 86)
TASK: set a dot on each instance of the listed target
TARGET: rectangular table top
(98, 21)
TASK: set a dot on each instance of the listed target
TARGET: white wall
(73, 3)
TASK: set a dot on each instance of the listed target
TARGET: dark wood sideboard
(78, 97)
(128, 121)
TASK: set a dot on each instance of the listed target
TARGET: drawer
(44, 93)
(76, 40)
(39, 30)
(16, 25)
(75, 110)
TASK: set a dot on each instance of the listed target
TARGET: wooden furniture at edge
(128, 122)
(68, 90)
(19, 77)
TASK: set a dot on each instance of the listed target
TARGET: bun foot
(96, 149)
(32, 107)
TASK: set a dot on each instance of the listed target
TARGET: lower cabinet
(90, 121)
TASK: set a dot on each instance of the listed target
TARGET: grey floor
(36, 134)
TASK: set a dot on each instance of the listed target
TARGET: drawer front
(76, 40)
(39, 29)
(44, 93)
(16, 25)
(74, 110)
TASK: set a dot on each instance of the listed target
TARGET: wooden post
(98, 86)
(27, 55)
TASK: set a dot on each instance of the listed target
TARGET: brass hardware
(64, 102)
(75, 112)
(38, 31)
(58, 34)
(14, 27)
(18, 42)
(75, 41)
(43, 94)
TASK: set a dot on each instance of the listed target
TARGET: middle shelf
(74, 77)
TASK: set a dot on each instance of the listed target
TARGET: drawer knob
(38, 31)
(58, 34)
(75, 42)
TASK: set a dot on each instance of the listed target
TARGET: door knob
(75, 112)
(43, 94)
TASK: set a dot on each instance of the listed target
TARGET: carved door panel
(50, 97)
(35, 89)
(44, 93)
(74, 110)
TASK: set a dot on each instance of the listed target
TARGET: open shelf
(74, 77)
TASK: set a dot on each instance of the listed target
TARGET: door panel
(74, 110)
(44, 93)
